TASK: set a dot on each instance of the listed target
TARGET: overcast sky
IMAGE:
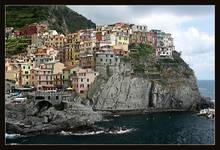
(192, 27)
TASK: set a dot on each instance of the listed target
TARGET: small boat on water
(210, 113)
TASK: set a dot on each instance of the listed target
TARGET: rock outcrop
(133, 93)
(175, 88)
(23, 119)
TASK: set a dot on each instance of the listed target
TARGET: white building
(141, 28)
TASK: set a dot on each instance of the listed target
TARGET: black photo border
(96, 2)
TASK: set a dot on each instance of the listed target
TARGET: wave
(116, 115)
(89, 133)
(13, 143)
(65, 133)
(121, 131)
(12, 136)
(107, 120)
(81, 133)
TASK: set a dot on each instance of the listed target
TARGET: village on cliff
(55, 61)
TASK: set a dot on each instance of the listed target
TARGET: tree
(20, 47)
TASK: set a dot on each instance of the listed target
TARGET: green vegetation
(140, 55)
(125, 59)
(139, 68)
(60, 18)
(142, 51)
(15, 46)
(144, 62)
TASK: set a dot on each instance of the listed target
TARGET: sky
(191, 26)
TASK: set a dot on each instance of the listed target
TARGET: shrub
(139, 68)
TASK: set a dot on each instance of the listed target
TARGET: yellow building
(58, 40)
(122, 42)
(26, 73)
(72, 49)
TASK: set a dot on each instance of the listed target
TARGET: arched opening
(39, 97)
(60, 106)
(43, 105)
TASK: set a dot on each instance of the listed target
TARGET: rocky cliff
(174, 88)
(26, 119)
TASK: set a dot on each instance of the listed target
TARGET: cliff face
(129, 93)
(125, 90)
(60, 18)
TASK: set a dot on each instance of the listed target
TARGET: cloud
(197, 47)
(105, 14)
(197, 50)
(165, 21)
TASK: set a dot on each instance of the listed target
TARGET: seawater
(207, 88)
(154, 128)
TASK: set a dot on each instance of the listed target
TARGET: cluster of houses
(55, 60)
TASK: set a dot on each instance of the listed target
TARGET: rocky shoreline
(75, 118)
(137, 112)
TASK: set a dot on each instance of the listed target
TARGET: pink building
(152, 39)
(82, 79)
(42, 78)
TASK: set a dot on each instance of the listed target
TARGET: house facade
(82, 79)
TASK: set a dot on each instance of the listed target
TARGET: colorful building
(82, 79)
(86, 61)
(67, 73)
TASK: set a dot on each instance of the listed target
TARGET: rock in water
(21, 120)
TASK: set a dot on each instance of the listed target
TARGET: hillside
(60, 18)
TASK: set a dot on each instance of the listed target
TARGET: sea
(153, 128)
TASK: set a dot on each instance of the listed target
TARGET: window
(44, 72)
(29, 67)
(48, 97)
(101, 60)
(26, 82)
(81, 80)
(81, 91)
(87, 80)
(23, 67)
(111, 55)
(106, 60)
(57, 97)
